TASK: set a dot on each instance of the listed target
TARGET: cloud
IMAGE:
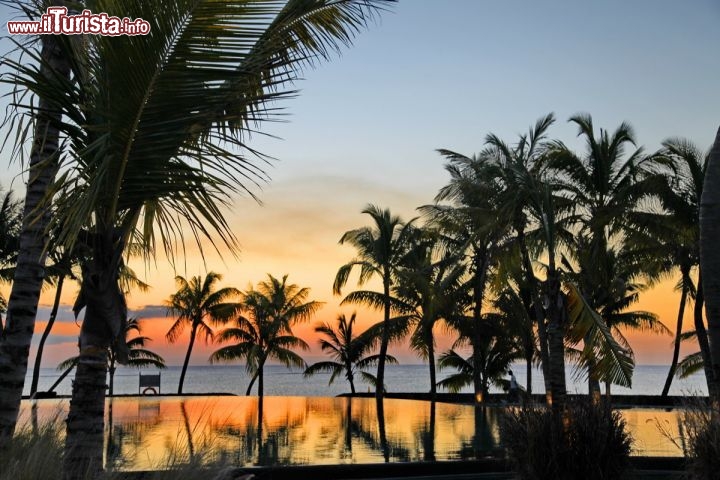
(148, 312)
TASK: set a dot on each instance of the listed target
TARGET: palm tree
(10, 224)
(138, 355)
(348, 353)
(157, 127)
(380, 249)
(197, 304)
(606, 184)
(52, 67)
(474, 226)
(264, 332)
(673, 234)
(496, 353)
(429, 289)
(710, 262)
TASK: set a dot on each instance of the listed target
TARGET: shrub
(701, 443)
(592, 443)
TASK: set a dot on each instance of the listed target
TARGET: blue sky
(443, 74)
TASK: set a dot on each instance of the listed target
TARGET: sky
(440, 74)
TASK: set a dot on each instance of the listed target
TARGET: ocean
(279, 381)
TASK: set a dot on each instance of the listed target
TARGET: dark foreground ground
(642, 468)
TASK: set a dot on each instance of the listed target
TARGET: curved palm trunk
(380, 386)
(193, 332)
(250, 385)
(30, 268)
(188, 431)
(678, 333)
(710, 258)
(46, 333)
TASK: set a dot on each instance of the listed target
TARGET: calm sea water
(279, 381)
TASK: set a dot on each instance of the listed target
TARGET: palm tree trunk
(84, 441)
(350, 377)
(528, 376)
(380, 386)
(702, 337)
(481, 262)
(678, 333)
(30, 268)
(556, 344)
(103, 326)
(46, 333)
(260, 379)
(111, 372)
(710, 258)
(538, 314)
(250, 385)
(431, 362)
(193, 332)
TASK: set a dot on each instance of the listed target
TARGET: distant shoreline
(493, 399)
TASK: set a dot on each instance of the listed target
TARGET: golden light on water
(149, 433)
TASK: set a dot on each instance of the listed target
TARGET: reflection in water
(150, 432)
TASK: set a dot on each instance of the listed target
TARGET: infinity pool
(147, 432)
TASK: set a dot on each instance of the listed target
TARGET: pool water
(153, 432)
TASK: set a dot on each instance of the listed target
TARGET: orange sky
(284, 237)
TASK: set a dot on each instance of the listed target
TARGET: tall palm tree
(264, 330)
(429, 290)
(472, 222)
(348, 352)
(380, 249)
(605, 184)
(198, 305)
(53, 67)
(138, 355)
(710, 261)
(673, 234)
(156, 127)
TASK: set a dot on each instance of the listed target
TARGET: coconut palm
(603, 184)
(348, 352)
(52, 66)
(496, 353)
(710, 261)
(472, 223)
(380, 249)
(264, 329)
(138, 355)
(157, 127)
(429, 290)
(10, 224)
(198, 305)
(673, 233)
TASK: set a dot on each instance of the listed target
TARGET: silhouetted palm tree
(429, 290)
(380, 249)
(197, 304)
(263, 330)
(348, 352)
(138, 355)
